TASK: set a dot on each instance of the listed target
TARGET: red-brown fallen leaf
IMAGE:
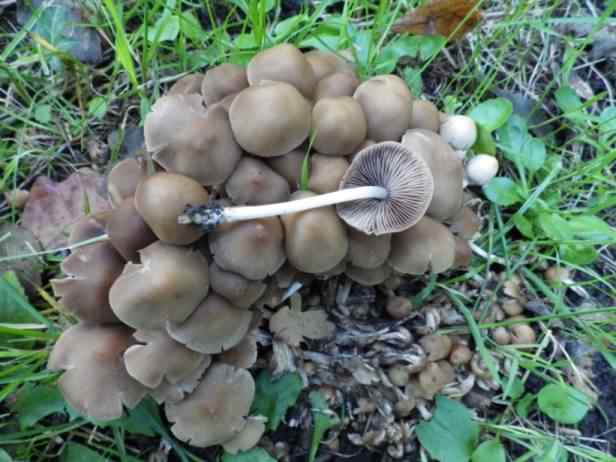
(53, 208)
(440, 17)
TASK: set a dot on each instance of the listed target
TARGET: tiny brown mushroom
(167, 285)
(386, 101)
(215, 326)
(522, 334)
(127, 230)
(463, 253)
(368, 251)
(253, 249)
(283, 63)
(283, 127)
(91, 272)
(234, 287)
(216, 411)
(436, 346)
(460, 355)
(447, 172)
(188, 139)
(398, 375)
(253, 183)
(336, 85)
(315, 240)
(501, 336)
(95, 381)
(465, 224)
(435, 377)
(512, 307)
(339, 125)
(326, 173)
(161, 198)
(425, 115)
(426, 246)
(187, 85)
(222, 81)
(324, 64)
(368, 277)
(123, 179)
(160, 358)
(399, 307)
(289, 166)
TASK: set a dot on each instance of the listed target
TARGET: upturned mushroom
(95, 381)
(253, 183)
(282, 63)
(339, 125)
(283, 127)
(167, 286)
(386, 101)
(222, 81)
(186, 138)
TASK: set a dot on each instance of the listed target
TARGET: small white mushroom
(459, 131)
(481, 169)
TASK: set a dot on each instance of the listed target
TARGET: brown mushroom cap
(425, 115)
(216, 411)
(460, 354)
(95, 381)
(222, 81)
(123, 179)
(91, 271)
(188, 139)
(281, 128)
(244, 354)
(161, 198)
(283, 63)
(127, 231)
(335, 85)
(160, 358)
(465, 224)
(253, 183)
(237, 289)
(405, 177)
(215, 326)
(386, 102)
(167, 285)
(446, 168)
(435, 377)
(168, 392)
(426, 246)
(339, 125)
(252, 249)
(463, 253)
(316, 240)
(368, 251)
(326, 172)
(247, 438)
(398, 307)
(289, 166)
(436, 346)
(187, 85)
(89, 227)
(368, 277)
(324, 64)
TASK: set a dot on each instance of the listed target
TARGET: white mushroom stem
(211, 217)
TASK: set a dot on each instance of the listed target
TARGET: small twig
(94, 240)
(482, 253)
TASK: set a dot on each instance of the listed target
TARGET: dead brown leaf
(292, 325)
(53, 208)
(453, 18)
(15, 240)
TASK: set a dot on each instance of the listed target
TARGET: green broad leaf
(244, 5)
(523, 406)
(42, 113)
(430, 46)
(35, 402)
(97, 107)
(245, 41)
(502, 191)
(524, 225)
(387, 60)
(485, 143)
(412, 77)
(519, 146)
(554, 226)
(533, 154)
(287, 26)
(75, 452)
(274, 396)
(592, 228)
(451, 435)
(323, 420)
(253, 455)
(571, 105)
(492, 114)
(4, 456)
(516, 390)
(191, 27)
(165, 29)
(553, 451)
(489, 451)
(562, 403)
(579, 254)
(607, 125)
(143, 419)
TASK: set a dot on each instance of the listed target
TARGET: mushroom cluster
(168, 310)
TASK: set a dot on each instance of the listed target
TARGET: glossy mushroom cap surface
(339, 125)
(404, 175)
(222, 81)
(386, 101)
(283, 63)
(161, 198)
(167, 286)
(315, 240)
(278, 130)
(95, 381)
(188, 139)
(253, 249)
(253, 182)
